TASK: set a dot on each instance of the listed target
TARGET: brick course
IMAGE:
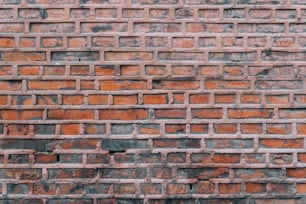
(141, 101)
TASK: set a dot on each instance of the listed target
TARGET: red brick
(125, 99)
(71, 114)
(124, 114)
(51, 85)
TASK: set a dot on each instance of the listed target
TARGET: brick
(235, 13)
(93, 2)
(214, 84)
(159, 2)
(176, 157)
(257, 173)
(121, 145)
(125, 99)
(23, 56)
(292, 113)
(261, 28)
(176, 84)
(205, 187)
(175, 189)
(283, 56)
(280, 129)
(226, 158)
(155, 99)
(6, 13)
(257, 41)
(175, 128)
(182, 42)
(214, 113)
(128, 56)
(18, 129)
(150, 188)
(229, 188)
(106, 41)
(77, 42)
(123, 173)
(249, 113)
(209, 13)
(202, 173)
(217, 2)
(11, 85)
(70, 201)
(51, 85)
(281, 143)
(233, 56)
(130, 41)
(41, 2)
(157, 27)
(296, 173)
(199, 98)
(103, 27)
(18, 158)
(156, 41)
(183, 13)
(18, 188)
(198, 128)
(229, 143)
(7, 42)
(149, 158)
(106, 13)
(280, 159)
(45, 158)
(124, 114)
(71, 188)
(210, 28)
(21, 114)
(260, 13)
(159, 13)
(254, 158)
(70, 114)
(52, 27)
(97, 99)
(148, 129)
(162, 173)
(225, 128)
(170, 113)
(250, 128)
(27, 42)
(11, 28)
(69, 173)
(225, 98)
(76, 13)
(28, 70)
(253, 188)
(44, 189)
(75, 56)
(124, 189)
(83, 144)
(54, 70)
(133, 13)
(21, 174)
(175, 143)
(301, 129)
(102, 188)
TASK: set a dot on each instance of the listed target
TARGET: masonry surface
(152, 101)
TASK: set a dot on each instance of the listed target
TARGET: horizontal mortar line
(193, 121)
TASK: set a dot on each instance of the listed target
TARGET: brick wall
(152, 101)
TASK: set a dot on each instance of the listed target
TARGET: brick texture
(152, 101)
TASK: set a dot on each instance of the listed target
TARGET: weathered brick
(52, 27)
(23, 56)
(103, 27)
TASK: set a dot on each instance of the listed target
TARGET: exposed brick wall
(152, 101)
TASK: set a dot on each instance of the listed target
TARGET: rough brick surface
(152, 101)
